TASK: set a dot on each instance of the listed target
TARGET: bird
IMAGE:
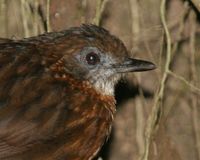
(57, 92)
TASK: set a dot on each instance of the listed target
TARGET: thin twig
(153, 118)
(83, 10)
(99, 11)
(25, 14)
(35, 16)
(181, 27)
(32, 21)
(193, 88)
(139, 103)
(140, 123)
(3, 19)
(48, 16)
(135, 26)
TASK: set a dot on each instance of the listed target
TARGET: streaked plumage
(53, 106)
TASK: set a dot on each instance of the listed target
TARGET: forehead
(100, 38)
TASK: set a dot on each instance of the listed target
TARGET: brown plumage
(56, 93)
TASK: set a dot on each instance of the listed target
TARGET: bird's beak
(134, 65)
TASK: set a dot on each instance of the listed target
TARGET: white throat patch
(106, 86)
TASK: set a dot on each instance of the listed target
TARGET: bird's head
(91, 53)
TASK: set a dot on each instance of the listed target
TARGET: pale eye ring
(92, 58)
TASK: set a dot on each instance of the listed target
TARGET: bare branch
(153, 118)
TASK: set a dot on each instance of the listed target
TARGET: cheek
(76, 70)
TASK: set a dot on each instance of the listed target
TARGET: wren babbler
(56, 93)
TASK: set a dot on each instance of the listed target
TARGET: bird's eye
(92, 58)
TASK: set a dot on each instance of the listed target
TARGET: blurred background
(158, 112)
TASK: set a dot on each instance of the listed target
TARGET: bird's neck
(86, 88)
